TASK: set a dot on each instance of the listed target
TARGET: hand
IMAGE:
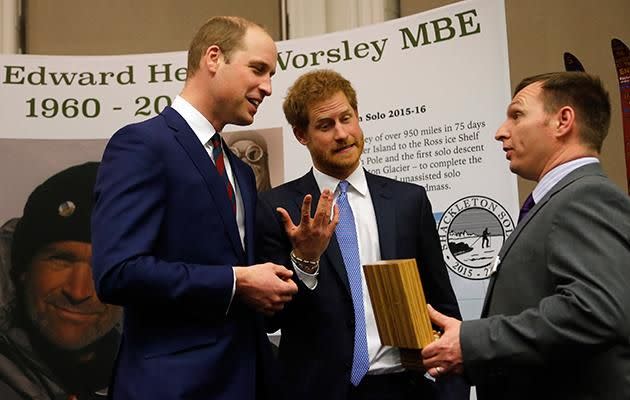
(265, 287)
(444, 356)
(311, 237)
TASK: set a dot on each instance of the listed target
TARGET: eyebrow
(261, 63)
(516, 102)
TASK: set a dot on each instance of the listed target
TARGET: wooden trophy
(400, 308)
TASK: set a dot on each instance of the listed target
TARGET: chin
(243, 122)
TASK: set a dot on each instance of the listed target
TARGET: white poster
(432, 90)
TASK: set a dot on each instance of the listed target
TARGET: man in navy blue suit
(173, 232)
(330, 348)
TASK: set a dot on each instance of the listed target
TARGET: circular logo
(472, 231)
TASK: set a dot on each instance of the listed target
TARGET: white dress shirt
(383, 359)
(554, 176)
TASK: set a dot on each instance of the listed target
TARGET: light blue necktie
(347, 238)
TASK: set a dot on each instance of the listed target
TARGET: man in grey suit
(556, 319)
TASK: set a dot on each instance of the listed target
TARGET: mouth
(508, 152)
(345, 149)
(76, 315)
(254, 102)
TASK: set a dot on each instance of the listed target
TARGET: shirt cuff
(309, 280)
(233, 291)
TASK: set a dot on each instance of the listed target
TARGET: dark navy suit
(318, 325)
(165, 240)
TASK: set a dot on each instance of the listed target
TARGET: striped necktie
(219, 162)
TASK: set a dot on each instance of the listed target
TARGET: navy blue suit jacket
(318, 325)
(164, 243)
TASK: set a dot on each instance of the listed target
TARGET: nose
(502, 132)
(79, 286)
(265, 85)
(340, 131)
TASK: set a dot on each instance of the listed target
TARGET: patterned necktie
(527, 205)
(217, 154)
(347, 237)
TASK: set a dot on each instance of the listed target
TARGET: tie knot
(343, 186)
(216, 141)
(527, 205)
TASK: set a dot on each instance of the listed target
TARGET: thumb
(286, 219)
(282, 273)
(436, 317)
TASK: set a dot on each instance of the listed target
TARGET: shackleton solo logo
(472, 231)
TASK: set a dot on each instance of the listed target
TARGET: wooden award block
(400, 308)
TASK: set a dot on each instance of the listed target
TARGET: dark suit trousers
(406, 385)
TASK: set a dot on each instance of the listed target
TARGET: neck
(341, 173)
(201, 102)
(564, 158)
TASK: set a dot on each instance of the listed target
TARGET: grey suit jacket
(557, 312)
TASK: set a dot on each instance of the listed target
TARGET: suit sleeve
(130, 203)
(272, 245)
(587, 253)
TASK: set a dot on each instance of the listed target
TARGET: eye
(61, 257)
(258, 69)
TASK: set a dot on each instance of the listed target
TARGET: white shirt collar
(357, 180)
(554, 176)
(202, 128)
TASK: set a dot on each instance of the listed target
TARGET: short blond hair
(225, 32)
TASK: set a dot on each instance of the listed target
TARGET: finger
(322, 215)
(335, 218)
(291, 288)
(431, 357)
(306, 209)
(436, 317)
(286, 298)
(428, 352)
(286, 220)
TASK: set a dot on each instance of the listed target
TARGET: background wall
(540, 31)
(104, 27)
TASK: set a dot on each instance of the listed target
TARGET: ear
(300, 135)
(564, 121)
(212, 58)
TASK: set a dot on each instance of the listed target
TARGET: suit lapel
(204, 165)
(239, 170)
(586, 170)
(385, 215)
(590, 169)
(332, 254)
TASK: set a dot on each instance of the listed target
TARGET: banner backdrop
(621, 54)
(432, 90)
